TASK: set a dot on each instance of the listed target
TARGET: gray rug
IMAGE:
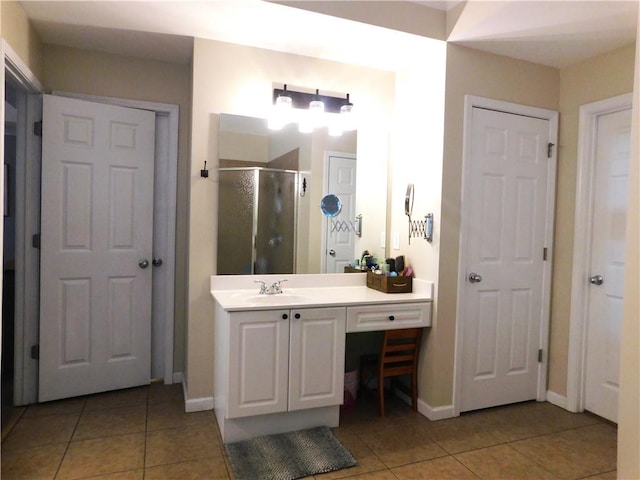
(288, 456)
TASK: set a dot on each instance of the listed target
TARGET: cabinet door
(316, 359)
(258, 362)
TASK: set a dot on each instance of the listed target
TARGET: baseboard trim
(432, 413)
(556, 399)
(198, 404)
(195, 404)
(435, 413)
(178, 377)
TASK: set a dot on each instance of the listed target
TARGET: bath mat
(287, 456)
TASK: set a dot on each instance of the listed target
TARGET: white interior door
(613, 140)
(340, 237)
(503, 294)
(97, 224)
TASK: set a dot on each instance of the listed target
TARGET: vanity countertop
(305, 291)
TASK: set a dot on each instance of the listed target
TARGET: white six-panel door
(340, 241)
(605, 295)
(503, 297)
(97, 228)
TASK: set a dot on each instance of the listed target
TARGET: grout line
(75, 427)
(14, 423)
(146, 433)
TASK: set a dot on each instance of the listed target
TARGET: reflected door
(340, 237)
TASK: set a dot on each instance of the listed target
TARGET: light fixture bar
(302, 99)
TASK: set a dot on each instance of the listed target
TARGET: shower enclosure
(257, 211)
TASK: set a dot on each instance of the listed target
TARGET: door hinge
(540, 356)
(550, 149)
(35, 352)
(35, 240)
(544, 254)
(37, 128)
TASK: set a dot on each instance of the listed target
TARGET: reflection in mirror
(267, 222)
(257, 208)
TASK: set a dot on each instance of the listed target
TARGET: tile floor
(143, 433)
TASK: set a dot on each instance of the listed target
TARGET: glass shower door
(236, 213)
(276, 226)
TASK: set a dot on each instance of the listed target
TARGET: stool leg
(414, 391)
(381, 394)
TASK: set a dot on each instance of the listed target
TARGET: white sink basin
(276, 298)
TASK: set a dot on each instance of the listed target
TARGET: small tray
(389, 284)
(349, 269)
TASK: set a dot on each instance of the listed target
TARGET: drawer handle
(392, 318)
(285, 316)
(400, 284)
(297, 315)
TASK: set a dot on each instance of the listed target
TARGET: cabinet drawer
(388, 316)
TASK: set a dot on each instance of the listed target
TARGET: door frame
(582, 247)
(325, 187)
(26, 370)
(27, 258)
(471, 102)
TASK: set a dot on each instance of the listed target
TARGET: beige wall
(95, 73)
(629, 413)
(482, 74)
(601, 77)
(17, 31)
(239, 80)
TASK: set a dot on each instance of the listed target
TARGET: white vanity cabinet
(279, 359)
(285, 360)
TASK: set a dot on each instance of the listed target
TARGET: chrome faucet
(274, 288)
(263, 287)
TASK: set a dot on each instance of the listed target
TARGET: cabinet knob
(392, 318)
(285, 316)
(297, 315)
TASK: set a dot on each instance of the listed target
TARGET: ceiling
(549, 32)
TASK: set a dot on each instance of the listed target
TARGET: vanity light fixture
(311, 110)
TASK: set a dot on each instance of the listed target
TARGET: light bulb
(316, 111)
(346, 116)
(281, 113)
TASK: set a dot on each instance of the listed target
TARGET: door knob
(144, 263)
(474, 277)
(332, 252)
(596, 280)
(156, 262)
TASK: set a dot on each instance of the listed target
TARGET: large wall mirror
(270, 188)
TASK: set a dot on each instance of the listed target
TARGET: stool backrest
(400, 350)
